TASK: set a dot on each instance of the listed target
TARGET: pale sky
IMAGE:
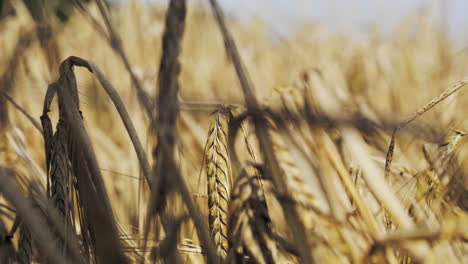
(346, 15)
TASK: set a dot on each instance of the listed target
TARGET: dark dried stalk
(166, 170)
(57, 163)
(90, 183)
(119, 105)
(47, 127)
(99, 228)
(23, 111)
(121, 109)
(271, 165)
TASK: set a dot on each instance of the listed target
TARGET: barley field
(176, 134)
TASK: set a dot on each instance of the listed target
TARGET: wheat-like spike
(217, 170)
(59, 172)
(57, 161)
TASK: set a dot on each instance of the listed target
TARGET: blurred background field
(384, 71)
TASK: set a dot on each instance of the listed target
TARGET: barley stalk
(166, 173)
(74, 149)
(57, 161)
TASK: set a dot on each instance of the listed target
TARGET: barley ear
(217, 171)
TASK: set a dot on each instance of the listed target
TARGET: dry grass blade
(60, 175)
(271, 164)
(119, 105)
(415, 115)
(217, 173)
(7, 78)
(116, 44)
(23, 111)
(233, 53)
